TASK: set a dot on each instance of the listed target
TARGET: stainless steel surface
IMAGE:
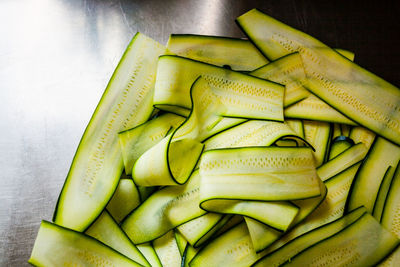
(56, 57)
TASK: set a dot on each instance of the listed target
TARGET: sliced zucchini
(342, 84)
(318, 135)
(59, 246)
(383, 192)
(289, 172)
(346, 53)
(330, 209)
(296, 126)
(136, 141)
(181, 242)
(391, 210)
(365, 188)
(233, 248)
(125, 199)
(363, 135)
(304, 241)
(150, 254)
(238, 54)
(98, 164)
(343, 161)
(251, 133)
(363, 243)
(106, 230)
(175, 76)
(167, 250)
(190, 252)
(339, 144)
(289, 71)
(163, 211)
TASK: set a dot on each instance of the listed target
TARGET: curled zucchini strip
(136, 141)
(172, 160)
(175, 75)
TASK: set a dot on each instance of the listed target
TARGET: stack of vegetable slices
(215, 151)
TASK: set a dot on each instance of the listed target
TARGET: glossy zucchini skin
(341, 83)
(97, 165)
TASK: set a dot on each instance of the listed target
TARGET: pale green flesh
(167, 250)
(138, 140)
(312, 108)
(364, 191)
(58, 246)
(150, 254)
(163, 211)
(194, 230)
(383, 192)
(304, 241)
(317, 134)
(362, 135)
(106, 230)
(337, 147)
(391, 210)
(288, 71)
(125, 199)
(175, 76)
(239, 54)
(343, 161)
(363, 243)
(181, 242)
(289, 173)
(189, 255)
(296, 126)
(233, 248)
(250, 133)
(329, 210)
(344, 85)
(98, 164)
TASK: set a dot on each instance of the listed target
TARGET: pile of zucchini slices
(215, 151)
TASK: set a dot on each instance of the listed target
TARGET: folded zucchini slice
(59, 246)
(175, 76)
(318, 134)
(339, 82)
(134, 142)
(98, 164)
(238, 54)
(383, 192)
(167, 250)
(363, 243)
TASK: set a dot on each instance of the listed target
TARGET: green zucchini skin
(97, 165)
(238, 54)
(338, 81)
(383, 192)
(59, 246)
(363, 243)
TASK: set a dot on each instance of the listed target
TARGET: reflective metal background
(56, 57)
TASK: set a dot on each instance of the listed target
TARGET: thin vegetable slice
(363, 243)
(383, 192)
(98, 164)
(163, 211)
(175, 76)
(150, 254)
(338, 145)
(125, 199)
(106, 230)
(318, 135)
(289, 71)
(365, 188)
(56, 245)
(302, 242)
(342, 84)
(167, 250)
(360, 134)
(136, 141)
(237, 54)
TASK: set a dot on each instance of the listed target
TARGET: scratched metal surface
(56, 57)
